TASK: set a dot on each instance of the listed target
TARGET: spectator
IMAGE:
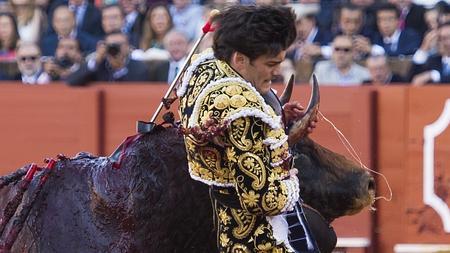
(310, 38)
(185, 17)
(351, 21)
(436, 69)
(394, 40)
(67, 59)
(380, 72)
(30, 20)
(369, 12)
(87, 18)
(133, 21)
(429, 42)
(158, 24)
(411, 16)
(5, 6)
(30, 66)
(444, 12)
(9, 36)
(432, 18)
(111, 63)
(326, 14)
(341, 69)
(64, 25)
(176, 43)
(113, 18)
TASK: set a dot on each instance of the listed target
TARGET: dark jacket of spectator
(160, 72)
(134, 33)
(393, 80)
(415, 19)
(49, 43)
(135, 71)
(322, 37)
(4, 77)
(433, 63)
(408, 43)
(92, 21)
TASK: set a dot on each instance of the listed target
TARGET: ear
(239, 61)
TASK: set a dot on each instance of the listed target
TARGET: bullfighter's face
(261, 71)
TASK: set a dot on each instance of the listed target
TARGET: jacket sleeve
(81, 77)
(258, 156)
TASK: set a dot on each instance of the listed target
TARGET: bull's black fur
(150, 204)
(331, 184)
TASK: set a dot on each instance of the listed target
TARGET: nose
(276, 70)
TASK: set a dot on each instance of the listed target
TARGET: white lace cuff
(293, 193)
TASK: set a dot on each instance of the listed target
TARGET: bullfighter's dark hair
(389, 7)
(253, 31)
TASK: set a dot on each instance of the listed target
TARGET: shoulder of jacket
(231, 98)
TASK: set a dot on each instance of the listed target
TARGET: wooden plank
(392, 125)
(123, 105)
(40, 122)
(424, 224)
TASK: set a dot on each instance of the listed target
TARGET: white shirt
(174, 69)
(37, 78)
(79, 12)
(393, 40)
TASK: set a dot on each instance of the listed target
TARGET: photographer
(67, 59)
(111, 63)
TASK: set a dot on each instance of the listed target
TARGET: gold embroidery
(239, 130)
(238, 101)
(221, 102)
(250, 198)
(198, 82)
(224, 218)
(250, 96)
(245, 222)
(233, 90)
(253, 166)
(231, 154)
(224, 240)
(226, 69)
(239, 248)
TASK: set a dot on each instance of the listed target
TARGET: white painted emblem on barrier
(430, 198)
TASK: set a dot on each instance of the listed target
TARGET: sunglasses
(342, 49)
(31, 58)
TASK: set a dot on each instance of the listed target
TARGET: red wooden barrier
(39, 122)
(385, 125)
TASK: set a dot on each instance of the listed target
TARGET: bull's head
(330, 183)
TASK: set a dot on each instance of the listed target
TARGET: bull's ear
(299, 128)
(286, 96)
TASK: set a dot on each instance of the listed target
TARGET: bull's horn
(286, 96)
(298, 129)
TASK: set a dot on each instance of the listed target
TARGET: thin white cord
(355, 156)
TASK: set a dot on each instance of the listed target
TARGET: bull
(150, 204)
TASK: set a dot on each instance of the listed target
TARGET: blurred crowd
(345, 42)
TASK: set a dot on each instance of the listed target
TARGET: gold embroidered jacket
(250, 158)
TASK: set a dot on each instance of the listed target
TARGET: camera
(113, 49)
(64, 62)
